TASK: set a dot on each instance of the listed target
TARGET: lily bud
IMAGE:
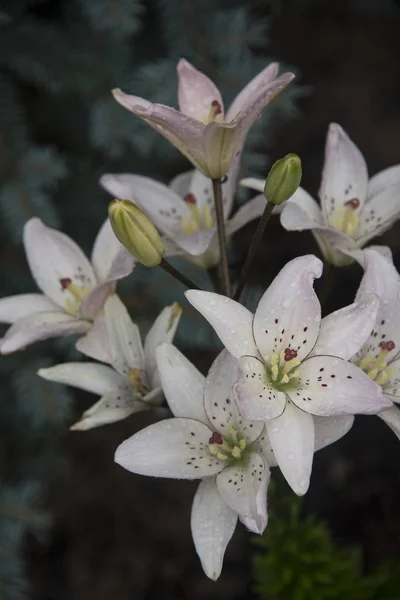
(283, 179)
(136, 232)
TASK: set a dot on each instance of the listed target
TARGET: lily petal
(123, 336)
(38, 327)
(176, 448)
(18, 307)
(110, 260)
(196, 92)
(244, 489)
(330, 429)
(95, 343)
(256, 397)
(112, 407)
(391, 416)
(392, 387)
(182, 384)
(301, 212)
(292, 439)
(288, 315)
(253, 183)
(94, 301)
(379, 214)
(213, 523)
(219, 401)
(346, 330)
(92, 377)
(232, 321)
(53, 256)
(248, 212)
(162, 330)
(344, 174)
(180, 184)
(332, 386)
(245, 96)
(383, 180)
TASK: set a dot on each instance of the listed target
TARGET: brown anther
(354, 203)
(190, 199)
(389, 345)
(65, 282)
(217, 107)
(216, 438)
(290, 354)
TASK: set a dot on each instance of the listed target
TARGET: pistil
(220, 448)
(345, 218)
(196, 219)
(376, 367)
(135, 377)
(282, 366)
(77, 293)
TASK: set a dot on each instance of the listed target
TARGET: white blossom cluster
(288, 382)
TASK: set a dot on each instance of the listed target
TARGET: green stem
(219, 211)
(253, 248)
(178, 275)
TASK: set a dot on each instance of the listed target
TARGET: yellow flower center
(345, 218)
(227, 449)
(283, 366)
(194, 219)
(376, 366)
(77, 294)
(215, 113)
(135, 376)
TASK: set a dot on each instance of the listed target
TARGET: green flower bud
(136, 232)
(283, 179)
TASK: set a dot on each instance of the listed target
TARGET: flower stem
(178, 275)
(219, 211)
(253, 248)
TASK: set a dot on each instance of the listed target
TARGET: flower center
(376, 366)
(227, 449)
(77, 294)
(345, 218)
(194, 219)
(135, 376)
(283, 366)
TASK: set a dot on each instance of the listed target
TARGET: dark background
(117, 535)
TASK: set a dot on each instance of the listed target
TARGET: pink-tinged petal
(381, 278)
(176, 448)
(95, 299)
(13, 308)
(253, 88)
(334, 245)
(383, 180)
(301, 212)
(91, 377)
(53, 256)
(182, 131)
(180, 184)
(220, 147)
(38, 327)
(232, 321)
(346, 330)
(110, 260)
(289, 314)
(391, 416)
(213, 523)
(344, 175)
(256, 397)
(392, 386)
(330, 429)
(196, 93)
(123, 336)
(248, 212)
(244, 488)
(182, 384)
(292, 439)
(379, 214)
(112, 407)
(331, 386)
(220, 404)
(162, 330)
(95, 343)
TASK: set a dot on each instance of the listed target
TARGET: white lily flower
(74, 289)
(133, 382)
(209, 439)
(353, 209)
(289, 370)
(184, 211)
(379, 357)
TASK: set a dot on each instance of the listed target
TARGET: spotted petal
(196, 92)
(332, 386)
(232, 321)
(346, 330)
(330, 429)
(112, 407)
(244, 488)
(379, 214)
(92, 377)
(383, 180)
(14, 308)
(213, 523)
(392, 387)
(182, 384)
(162, 330)
(176, 448)
(53, 256)
(292, 440)
(38, 327)
(288, 315)
(344, 175)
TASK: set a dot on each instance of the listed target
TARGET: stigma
(227, 449)
(376, 367)
(77, 295)
(345, 218)
(283, 366)
(193, 219)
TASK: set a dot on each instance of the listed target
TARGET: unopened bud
(283, 179)
(136, 232)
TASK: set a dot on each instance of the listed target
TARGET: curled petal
(288, 315)
(253, 88)
(292, 440)
(213, 523)
(330, 429)
(196, 92)
(332, 386)
(18, 307)
(95, 343)
(175, 448)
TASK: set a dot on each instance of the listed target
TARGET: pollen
(77, 294)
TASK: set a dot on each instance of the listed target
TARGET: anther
(190, 199)
(389, 345)
(354, 203)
